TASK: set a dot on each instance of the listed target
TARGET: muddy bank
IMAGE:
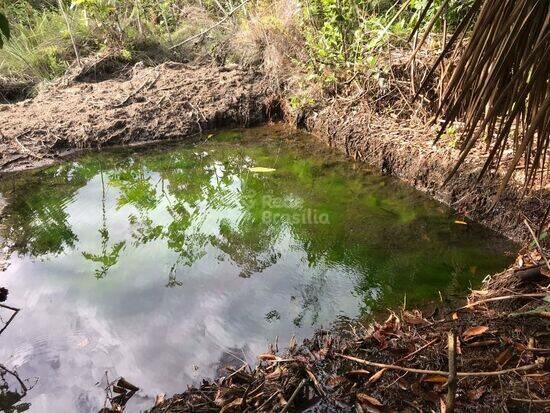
(402, 146)
(170, 101)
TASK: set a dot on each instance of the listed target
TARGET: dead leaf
(365, 398)
(519, 262)
(159, 399)
(292, 345)
(475, 331)
(476, 394)
(336, 381)
(414, 317)
(392, 324)
(461, 222)
(504, 357)
(455, 316)
(435, 378)
(261, 169)
(275, 375)
(234, 406)
(376, 376)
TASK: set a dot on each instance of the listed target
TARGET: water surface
(164, 263)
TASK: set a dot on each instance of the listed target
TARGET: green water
(160, 263)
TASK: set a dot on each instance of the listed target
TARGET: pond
(163, 263)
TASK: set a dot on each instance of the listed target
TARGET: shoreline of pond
(173, 102)
(139, 114)
(500, 353)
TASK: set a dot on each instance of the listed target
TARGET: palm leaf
(500, 85)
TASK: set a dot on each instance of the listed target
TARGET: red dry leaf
(475, 331)
(365, 398)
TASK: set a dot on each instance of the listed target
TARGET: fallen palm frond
(500, 84)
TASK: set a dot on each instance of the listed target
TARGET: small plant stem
(77, 54)
(451, 382)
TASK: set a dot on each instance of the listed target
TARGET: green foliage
(41, 47)
(350, 34)
(4, 29)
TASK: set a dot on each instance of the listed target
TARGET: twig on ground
(440, 372)
(501, 298)
(531, 401)
(291, 400)
(408, 356)
(451, 382)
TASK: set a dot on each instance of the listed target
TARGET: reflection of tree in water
(190, 201)
(108, 256)
(35, 217)
(12, 390)
(310, 295)
(247, 246)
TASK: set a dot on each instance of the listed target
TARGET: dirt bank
(403, 146)
(170, 101)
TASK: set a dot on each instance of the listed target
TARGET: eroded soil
(170, 101)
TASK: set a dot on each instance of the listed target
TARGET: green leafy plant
(4, 29)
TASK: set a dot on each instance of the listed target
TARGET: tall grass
(46, 38)
(40, 47)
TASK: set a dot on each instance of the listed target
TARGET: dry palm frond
(500, 84)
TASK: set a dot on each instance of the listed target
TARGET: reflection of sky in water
(235, 283)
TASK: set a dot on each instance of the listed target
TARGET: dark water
(162, 264)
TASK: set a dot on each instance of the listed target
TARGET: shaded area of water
(162, 264)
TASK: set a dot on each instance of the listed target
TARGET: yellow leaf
(376, 376)
(435, 378)
(261, 169)
(461, 222)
